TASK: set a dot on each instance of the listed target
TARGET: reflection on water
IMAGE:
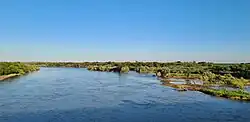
(77, 95)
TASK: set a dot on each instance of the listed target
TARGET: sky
(125, 30)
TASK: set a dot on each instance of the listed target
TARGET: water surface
(78, 95)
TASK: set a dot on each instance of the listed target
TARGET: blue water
(78, 95)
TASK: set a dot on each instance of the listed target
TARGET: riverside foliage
(235, 94)
(234, 75)
(7, 68)
(237, 70)
(231, 75)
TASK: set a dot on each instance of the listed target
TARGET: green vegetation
(124, 69)
(230, 75)
(236, 70)
(211, 73)
(236, 94)
(101, 68)
(108, 68)
(239, 94)
(227, 79)
(7, 68)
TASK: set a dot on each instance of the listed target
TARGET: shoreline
(232, 95)
(4, 77)
(168, 79)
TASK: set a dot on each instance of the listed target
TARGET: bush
(237, 94)
(7, 68)
(124, 69)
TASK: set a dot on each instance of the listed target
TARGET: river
(79, 95)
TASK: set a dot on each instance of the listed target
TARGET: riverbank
(237, 69)
(208, 74)
(235, 94)
(4, 77)
(102, 94)
(13, 69)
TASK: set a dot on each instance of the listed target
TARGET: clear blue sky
(118, 30)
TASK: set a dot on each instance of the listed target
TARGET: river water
(79, 95)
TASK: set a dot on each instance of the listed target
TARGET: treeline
(233, 75)
(107, 68)
(7, 68)
(236, 70)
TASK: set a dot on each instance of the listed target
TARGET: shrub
(236, 94)
(124, 69)
(16, 68)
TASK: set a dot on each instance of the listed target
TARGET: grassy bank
(12, 69)
(212, 79)
(234, 95)
(240, 95)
